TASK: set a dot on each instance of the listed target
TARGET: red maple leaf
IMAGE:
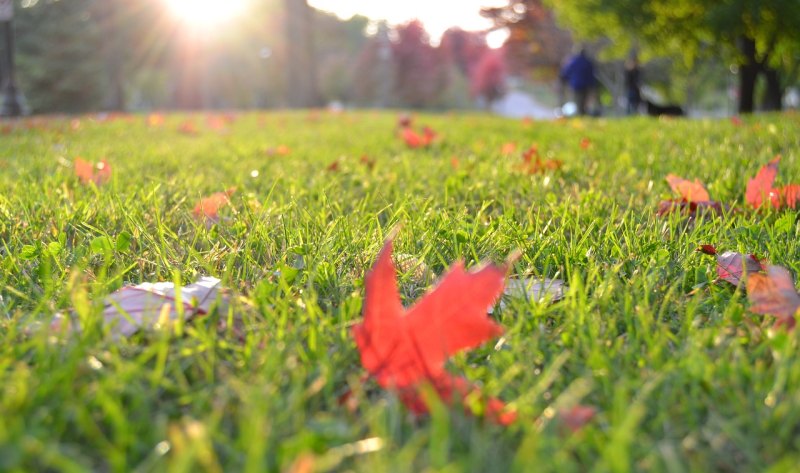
(405, 349)
(790, 195)
(773, 293)
(732, 266)
(87, 172)
(418, 140)
(760, 187)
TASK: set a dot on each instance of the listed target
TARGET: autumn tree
(488, 77)
(535, 43)
(420, 74)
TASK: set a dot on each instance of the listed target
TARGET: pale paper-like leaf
(539, 290)
(150, 304)
(135, 307)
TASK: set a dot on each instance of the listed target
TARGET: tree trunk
(773, 95)
(301, 61)
(748, 72)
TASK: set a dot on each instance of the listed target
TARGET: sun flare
(204, 13)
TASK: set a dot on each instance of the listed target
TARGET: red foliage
(405, 349)
(532, 163)
(418, 140)
(420, 73)
(488, 77)
(733, 267)
(760, 187)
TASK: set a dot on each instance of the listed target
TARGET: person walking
(578, 72)
(633, 79)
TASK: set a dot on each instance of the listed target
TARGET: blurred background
(710, 57)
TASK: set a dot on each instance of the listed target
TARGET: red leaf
(690, 191)
(690, 209)
(761, 186)
(403, 348)
(790, 195)
(707, 249)
(578, 416)
(774, 294)
(417, 140)
(733, 267)
(333, 167)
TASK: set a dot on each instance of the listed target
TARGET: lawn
(682, 376)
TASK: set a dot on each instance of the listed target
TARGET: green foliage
(683, 377)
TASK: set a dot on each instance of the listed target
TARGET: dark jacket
(579, 72)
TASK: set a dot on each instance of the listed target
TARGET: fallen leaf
(690, 191)
(405, 349)
(577, 416)
(533, 164)
(333, 167)
(790, 195)
(508, 148)
(694, 199)
(188, 127)
(208, 207)
(760, 187)
(280, 150)
(149, 305)
(774, 293)
(537, 290)
(99, 173)
(404, 121)
(732, 266)
(415, 140)
(155, 120)
(367, 161)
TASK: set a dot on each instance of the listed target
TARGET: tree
(420, 72)
(760, 37)
(535, 41)
(300, 57)
(488, 78)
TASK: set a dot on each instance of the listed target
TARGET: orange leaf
(208, 207)
(774, 294)
(508, 148)
(87, 172)
(690, 191)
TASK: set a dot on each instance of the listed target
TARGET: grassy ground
(683, 377)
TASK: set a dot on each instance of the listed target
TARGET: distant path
(517, 104)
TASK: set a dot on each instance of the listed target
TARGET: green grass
(683, 377)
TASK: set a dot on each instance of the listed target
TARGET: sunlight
(206, 13)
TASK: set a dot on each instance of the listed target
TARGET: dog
(669, 110)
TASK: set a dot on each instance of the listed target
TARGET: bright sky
(436, 15)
